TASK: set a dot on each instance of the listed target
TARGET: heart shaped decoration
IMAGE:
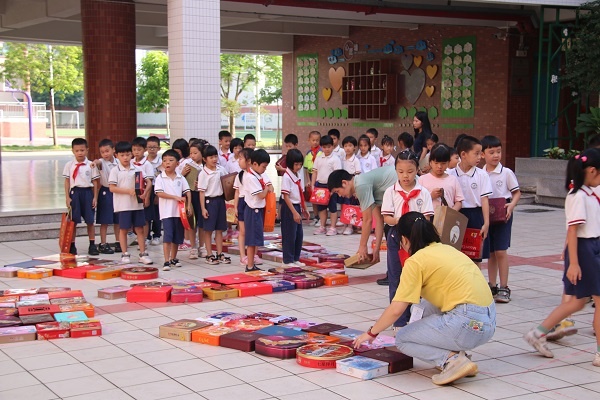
(335, 77)
(413, 84)
(406, 60)
(429, 90)
(327, 93)
(418, 60)
(432, 71)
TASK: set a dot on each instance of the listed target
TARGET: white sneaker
(145, 259)
(257, 260)
(299, 264)
(125, 258)
(596, 362)
(456, 367)
(155, 241)
(339, 223)
(167, 266)
(147, 242)
(317, 222)
(131, 237)
(193, 254)
(202, 252)
(331, 232)
(348, 230)
(538, 343)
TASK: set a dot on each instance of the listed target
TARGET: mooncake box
(36, 319)
(34, 273)
(278, 330)
(73, 316)
(28, 303)
(317, 338)
(16, 334)
(211, 334)
(347, 334)
(325, 329)
(41, 309)
(9, 272)
(87, 308)
(86, 329)
(306, 281)
(9, 320)
(335, 280)
(36, 297)
(76, 273)
(65, 294)
(104, 273)
(221, 292)
(283, 347)
(362, 367)
(322, 355)
(151, 294)
(192, 295)
(68, 300)
(280, 285)
(397, 361)
(53, 330)
(240, 340)
(181, 329)
(248, 324)
(53, 289)
(299, 325)
(253, 289)
(114, 292)
(139, 273)
(222, 317)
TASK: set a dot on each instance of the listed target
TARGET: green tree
(153, 84)
(272, 92)
(582, 50)
(56, 70)
(238, 71)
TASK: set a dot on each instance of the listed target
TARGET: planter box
(547, 175)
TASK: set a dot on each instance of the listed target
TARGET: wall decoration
(406, 60)
(337, 113)
(433, 112)
(432, 71)
(458, 77)
(330, 113)
(307, 81)
(418, 60)
(403, 112)
(326, 93)
(350, 49)
(412, 112)
(322, 113)
(345, 113)
(429, 90)
(335, 77)
(413, 84)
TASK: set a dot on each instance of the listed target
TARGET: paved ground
(129, 361)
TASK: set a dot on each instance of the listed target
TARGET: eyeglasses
(152, 148)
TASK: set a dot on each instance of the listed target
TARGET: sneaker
(538, 343)
(383, 281)
(317, 222)
(596, 362)
(493, 289)
(104, 248)
(147, 242)
(503, 295)
(73, 249)
(167, 266)
(202, 252)
(175, 263)
(211, 260)
(224, 259)
(145, 259)
(155, 241)
(184, 247)
(566, 327)
(125, 258)
(320, 231)
(118, 247)
(131, 239)
(93, 250)
(339, 223)
(193, 254)
(348, 230)
(244, 260)
(472, 374)
(456, 367)
(331, 232)
(299, 264)
(257, 260)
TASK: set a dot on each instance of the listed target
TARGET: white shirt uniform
(325, 165)
(224, 157)
(340, 152)
(376, 152)
(124, 178)
(367, 163)
(393, 201)
(237, 185)
(290, 187)
(233, 165)
(388, 161)
(169, 208)
(352, 165)
(252, 187)
(86, 173)
(503, 181)
(582, 209)
(209, 181)
(182, 163)
(107, 166)
(475, 184)
(156, 163)
(145, 166)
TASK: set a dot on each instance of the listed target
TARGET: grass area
(74, 133)
(14, 148)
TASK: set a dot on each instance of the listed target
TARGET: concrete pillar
(108, 37)
(194, 69)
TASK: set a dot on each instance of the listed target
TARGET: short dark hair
(336, 177)
(260, 156)
(418, 230)
(293, 156)
(183, 146)
(249, 136)
(364, 137)
(407, 156)
(350, 139)
(209, 151)
(440, 153)
(334, 132)
(106, 142)
(197, 144)
(452, 151)
(291, 138)
(314, 133)
(489, 141)
(466, 144)
(433, 137)
(387, 140)
(153, 139)
(326, 141)
(171, 153)
(247, 152)
(79, 142)
(139, 141)
(224, 134)
(458, 139)
(123, 147)
(373, 131)
(407, 139)
(235, 142)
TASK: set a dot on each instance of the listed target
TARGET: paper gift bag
(473, 243)
(270, 212)
(497, 210)
(351, 215)
(230, 212)
(227, 183)
(450, 224)
(281, 162)
(67, 232)
(140, 185)
(192, 178)
(320, 196)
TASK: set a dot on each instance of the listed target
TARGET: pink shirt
(451, 186)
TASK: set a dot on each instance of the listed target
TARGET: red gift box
(253, 289)
(41, 309)
(53, 330)
(187, 295)
(497, 210)
(152, 294)
(473, 243)
(76, 273)
(320, 196)
(282, 163)
(330, 265)
(66, 293)
(233, 279)
(86, 329)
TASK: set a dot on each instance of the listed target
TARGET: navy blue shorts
(588, 252)
(217, 217)
(475, 216)
(254, 225)
(105, 214)
(241, 209)
(151, 212)
(81, 204)
(132, 219)
(172, 230)
(500, 235)
(197, 209)
(333, 200)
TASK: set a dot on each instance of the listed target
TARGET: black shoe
(104, 248)
(254, 268)
(73, 249)
(383, 281)
(118, 247)
(93, 250)
(493, 289)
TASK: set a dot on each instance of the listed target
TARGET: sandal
(212, 260)
(254, 268)
(223, 259)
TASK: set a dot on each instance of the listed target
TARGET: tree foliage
(153, 82)
(582, 50)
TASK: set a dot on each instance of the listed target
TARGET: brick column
(108, 36)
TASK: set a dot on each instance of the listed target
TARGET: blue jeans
(437, 334)
(394, 270)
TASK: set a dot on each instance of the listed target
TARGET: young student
(125, 201)
(224, 148)
(476, 188)
(171, 189)
(438, 182)
(235, 147)
(405, 141)
(154, 224)
(387, 147)
(322, 168)
(367, 160)
(81, 191)
(105, 214)
(138, 148)
(504, 184)
(430, 141)
(582, 256)
(256, 186)
(290, 141)
(350, 162)
(405, 195)
(375, 151)
(182, 147)
(249, 141)
(196, 149)
(212, 203)
(240, 205)
(454, 158)
(293, 209)
(335, 136)
(314, 138)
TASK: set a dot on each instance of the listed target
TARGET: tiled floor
(130, 361)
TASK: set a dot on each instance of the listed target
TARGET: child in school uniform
(81, 191)
(153, 217)
(314, 138)
(293, 210)
(224, 148)
(249, 141)
(350, 162)
(212, 203)
(138, 148)
(406, 195)
(171, 188)
(240, 205)
(105, 214)
(337, 149)
(375, 151)
(582, 255)
(367, 160)
(256, 186)
(438, 182)
(476, 187)
(195, 163)
(322, 168)
(405, 141)
(125, 201)
(387, 147)
(233, 164)
(504, 185)
(182, 147)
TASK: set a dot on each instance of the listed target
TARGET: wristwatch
(370, 333)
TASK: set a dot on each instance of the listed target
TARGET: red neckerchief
(79, 165)
(137, 163)
(226, 156)
(406, 197)
(261, 180)
(300, 189)
(314, 151)
(382, 160)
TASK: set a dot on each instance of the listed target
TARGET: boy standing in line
(152, 216)
(138, 149)
(224, 148)
(105, 214)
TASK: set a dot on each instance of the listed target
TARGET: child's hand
(186, 170)
(190, 211)
(181, 199)
(279, 168)
(205, 213)
(365, 337)
(574, 273)
(270, 189)
(509, 209)
(132, 192)
(94, 203)
(484, 231)
(436, 193)
(146, 201)
(68, 201)
(297, 218)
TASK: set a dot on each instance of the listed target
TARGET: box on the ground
(86, 328)
(149, 294)
(322, 355)
(283, 347)
(16, 334)
(240, 340)
(36, 319)
(73, 316)
(114, 292)
(362, 367)
(397, 361)
(211, 334)
(181, 329)
(53, 330)
(253, 289)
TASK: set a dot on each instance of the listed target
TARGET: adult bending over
(459, 313)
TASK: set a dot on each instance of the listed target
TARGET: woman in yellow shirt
(458, 310)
